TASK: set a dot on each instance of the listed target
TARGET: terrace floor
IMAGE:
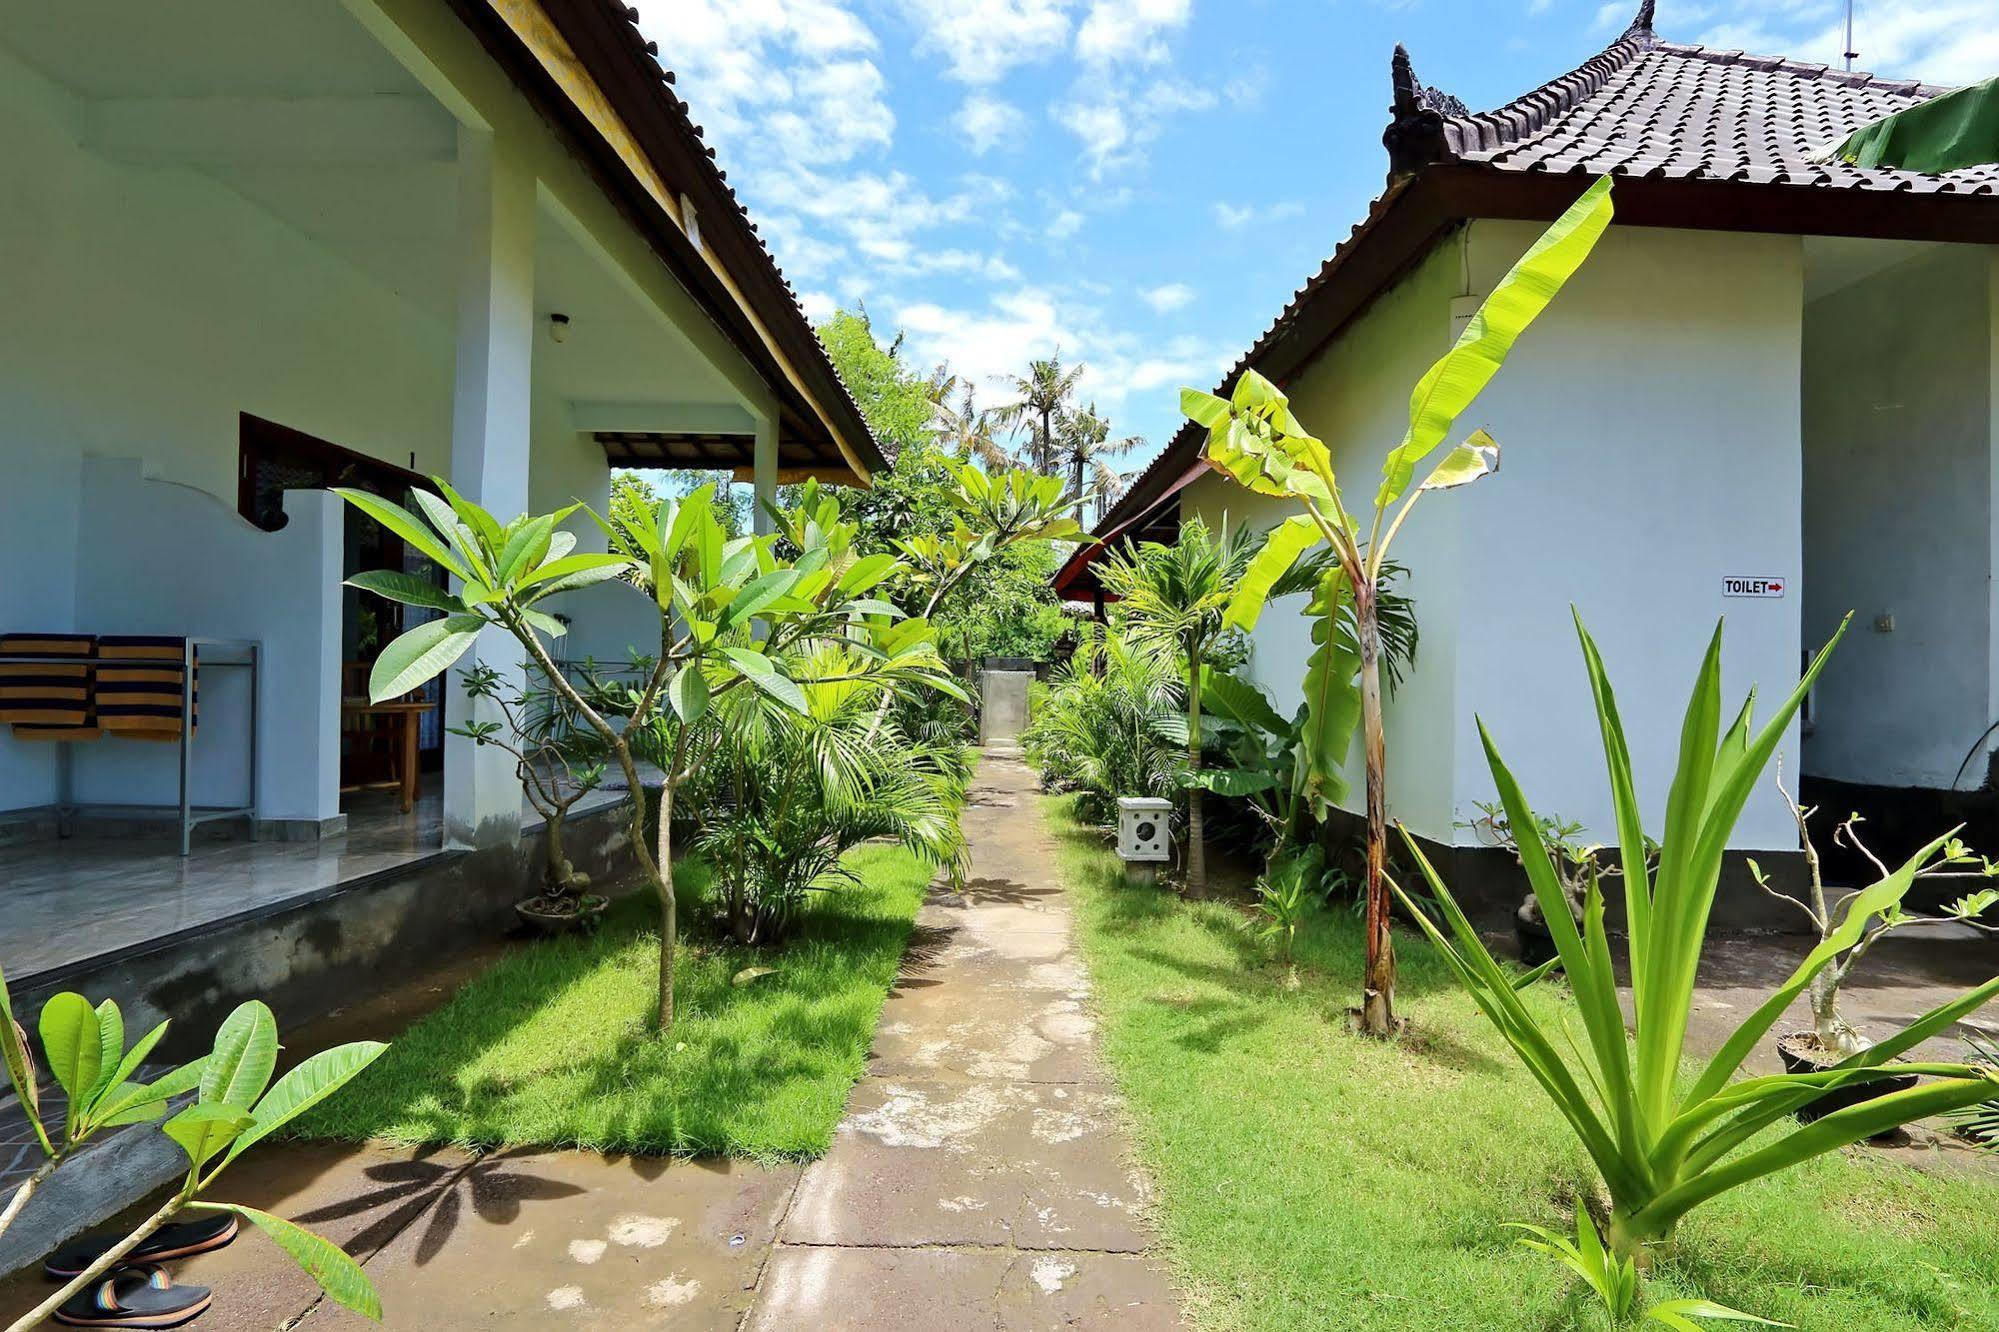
(102, 890)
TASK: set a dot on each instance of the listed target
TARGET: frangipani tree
(731, 614)
(1253, 436)
(995, 510)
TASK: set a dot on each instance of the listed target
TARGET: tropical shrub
(1664, 1146)
(1111, 723)
(801, 788)
(1253, 436)
(1172, 599)
(731, 614)
(235, 1106)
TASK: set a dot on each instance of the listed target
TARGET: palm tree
(1041, 402)
(1174, 596)
(1086, 441)
(964, 429)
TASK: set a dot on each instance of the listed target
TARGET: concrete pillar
(489, 446)
(764, 469)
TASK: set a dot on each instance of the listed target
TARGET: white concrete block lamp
(1144, 836)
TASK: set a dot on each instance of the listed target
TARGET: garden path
(981, 1177)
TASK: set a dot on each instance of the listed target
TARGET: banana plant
(1255, 439)
(731, 614)
(1959, 129)
(235, 1106)
(1665, 1145)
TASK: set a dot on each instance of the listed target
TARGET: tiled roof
(801, 327)
(1648, 107)
(1642, 108)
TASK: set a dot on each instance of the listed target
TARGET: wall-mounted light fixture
(558, 327)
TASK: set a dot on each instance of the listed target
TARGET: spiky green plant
(1664, 1146)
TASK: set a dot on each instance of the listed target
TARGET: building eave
(728, 269)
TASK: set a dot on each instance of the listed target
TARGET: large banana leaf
(1332, 693)
(1459, 376)
(1281, 549)
(1959, 129)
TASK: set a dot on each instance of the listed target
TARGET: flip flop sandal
(135, 1297)
(180, 1239)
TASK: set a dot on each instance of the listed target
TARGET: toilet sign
(1740, 586)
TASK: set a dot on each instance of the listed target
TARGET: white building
(1770, 369)
(253, 246)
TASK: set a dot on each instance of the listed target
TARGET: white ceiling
(293, 105)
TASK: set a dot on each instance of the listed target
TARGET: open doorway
(1898, 529)
(392, 752)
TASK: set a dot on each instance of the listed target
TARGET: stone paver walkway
(981, 1177)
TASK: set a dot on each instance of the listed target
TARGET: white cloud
(1941, 41)
(1613, 15)
(1064, 223)
(984, 342)
(1234, 217)
(1165, 299)
(987, 122)
(982, 39)
(1114, 126)
(1129, 30)
(790, 76)
(1539, 6)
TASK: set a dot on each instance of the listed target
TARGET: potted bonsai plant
(1578, 864)
(1832, 1039)
(559, 761)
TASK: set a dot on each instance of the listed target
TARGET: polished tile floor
(101, 890)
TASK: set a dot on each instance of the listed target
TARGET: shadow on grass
(554, 1047)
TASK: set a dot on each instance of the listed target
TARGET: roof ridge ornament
(1415, 135)
(1641, 26)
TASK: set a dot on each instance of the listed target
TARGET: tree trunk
(669, 909)
(1377, 1011)
(1836, 1035)
(1197, 846)
(555, 873)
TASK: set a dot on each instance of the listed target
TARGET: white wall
(1650, 432)
(1898, 519)
(184, 563)
(147, 307)
(1650, 428)
(1356, 399)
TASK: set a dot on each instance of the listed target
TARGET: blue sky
(1141, 183)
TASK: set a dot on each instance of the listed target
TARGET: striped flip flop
(178, 1239)
(140, 1296)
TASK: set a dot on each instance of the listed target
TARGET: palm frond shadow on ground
(552, 1047)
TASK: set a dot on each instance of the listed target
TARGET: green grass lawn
(1310, 1178)
(553, 1046)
